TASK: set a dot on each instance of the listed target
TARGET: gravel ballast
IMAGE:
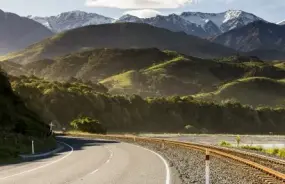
(190, 166)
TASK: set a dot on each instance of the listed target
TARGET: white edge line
(168, 176)
(109, 159)
(43, 166)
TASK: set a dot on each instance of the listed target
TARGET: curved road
(85, 161)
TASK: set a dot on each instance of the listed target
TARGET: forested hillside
(19, 125)
(66, 101)
(153, 73)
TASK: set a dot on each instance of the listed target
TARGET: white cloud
(145, 13)
(138, 4)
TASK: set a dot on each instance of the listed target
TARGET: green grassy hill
(134, 114)
(96, 64)
(121, 35)
(184, 75)
(255, 91)
(19, 125)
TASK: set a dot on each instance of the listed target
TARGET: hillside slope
(184, 75)
(120, 35)
(148, 72)
(19, 125)
(255, 91)
(257, 35)
(134, 114)
(18, 32)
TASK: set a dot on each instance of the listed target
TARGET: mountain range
(71, 20)
(120, 35)
(257, 35)
(194, 23)
(19, 32)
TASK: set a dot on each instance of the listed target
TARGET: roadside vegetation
(280, 152)
(19, 125)
(62, 102)
(86, 124)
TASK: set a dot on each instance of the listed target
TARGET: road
(86, 161)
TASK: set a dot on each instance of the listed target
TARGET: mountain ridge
(219, 22)
(19, 32)
(120, 35)
(257, 35)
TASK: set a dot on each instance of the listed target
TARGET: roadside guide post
(207, 167)
(33, 148)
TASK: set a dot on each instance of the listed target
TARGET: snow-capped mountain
(281, 23)
(225, 21)
(193, 23)
(129, 18)
(176, 23)
(71, 20)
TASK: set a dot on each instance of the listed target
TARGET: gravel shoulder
(189, 167)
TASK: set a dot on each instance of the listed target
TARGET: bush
(225, 143)
(281, 153)
(87, 124)
(254, 148)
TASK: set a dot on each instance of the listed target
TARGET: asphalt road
(86, 161)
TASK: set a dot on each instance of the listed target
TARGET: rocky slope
(256, 35)
(193, 23)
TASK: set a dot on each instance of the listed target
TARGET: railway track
(269, 170)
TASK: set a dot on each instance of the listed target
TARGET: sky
(270, 10)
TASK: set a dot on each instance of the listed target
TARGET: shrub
(255, 148)
(87, 124)
(273, 151)
(225, 143)
(281, 153)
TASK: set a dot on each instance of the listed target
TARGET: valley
(179, 73)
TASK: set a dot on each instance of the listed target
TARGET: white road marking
(95, 171)
(43, 166)
(168, 180)
(109, 159)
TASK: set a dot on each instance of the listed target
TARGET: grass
(271, 151)
(124, 80)
(260, 91)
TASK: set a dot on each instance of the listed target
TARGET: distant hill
(255, 91)
(267, 54)
(148, 72)
(120, 35)
(19, 32)
(186, 75)
(258, 35)
(96, 64)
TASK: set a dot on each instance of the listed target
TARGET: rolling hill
(255, 91)
(120, 35)
(148, 72)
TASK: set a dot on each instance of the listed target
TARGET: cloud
(145, 13)
(138, 4)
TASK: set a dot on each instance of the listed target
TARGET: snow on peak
(281, 22)
(129, 18)
(234, 17)
(71, 20)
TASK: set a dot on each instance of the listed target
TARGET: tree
(87, 124)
